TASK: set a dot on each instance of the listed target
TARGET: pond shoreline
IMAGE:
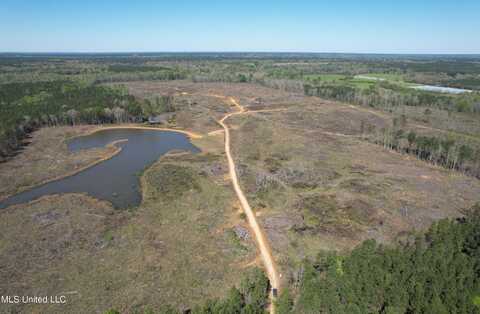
(109, 154)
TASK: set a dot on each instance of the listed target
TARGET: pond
(441, 89)
(426, 88)
(116, 179)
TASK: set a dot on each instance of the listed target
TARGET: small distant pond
(117, 179)
(441, 89)
(427, 88)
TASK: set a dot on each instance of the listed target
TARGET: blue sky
(402, 26)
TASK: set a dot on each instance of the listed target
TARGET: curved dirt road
(259, 236)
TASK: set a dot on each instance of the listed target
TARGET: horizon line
(236, 52)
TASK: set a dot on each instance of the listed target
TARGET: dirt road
(262, 243)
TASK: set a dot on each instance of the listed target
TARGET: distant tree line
(130, 73)
(25, 107)
(445, 151)
(133, 68)
(385, 95)
(89, 71)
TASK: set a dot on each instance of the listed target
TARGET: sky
(401, 26)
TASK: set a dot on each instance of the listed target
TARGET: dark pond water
(116, 179)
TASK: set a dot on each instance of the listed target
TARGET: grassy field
(325, 77)
(386, 76)
(363, 81)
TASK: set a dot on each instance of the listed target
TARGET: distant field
(361, 81)
(394, 81)
(386, 76)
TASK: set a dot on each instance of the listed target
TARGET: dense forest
(437, 272)
(27, 106)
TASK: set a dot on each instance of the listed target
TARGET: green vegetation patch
(171, 181)
(235, 241)
(325, 77)
(318, 209)
(386, 76)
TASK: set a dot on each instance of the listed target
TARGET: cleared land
(311, 180)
